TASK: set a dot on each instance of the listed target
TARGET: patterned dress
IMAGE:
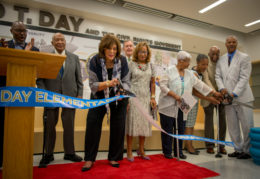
(136, 124)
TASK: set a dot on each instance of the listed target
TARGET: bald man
(232, 76)
(68, 82)
(19, 33)
(208, 77)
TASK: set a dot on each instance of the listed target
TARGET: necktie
(61, 71)
(229, 60)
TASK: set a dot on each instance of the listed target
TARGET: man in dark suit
(19, 32)
(68, 82)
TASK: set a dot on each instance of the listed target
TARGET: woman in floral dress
(143, 85)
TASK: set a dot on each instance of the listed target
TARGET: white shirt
(62, 53)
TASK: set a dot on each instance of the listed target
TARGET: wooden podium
(22, 68)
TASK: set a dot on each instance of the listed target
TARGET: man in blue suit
(19, 32)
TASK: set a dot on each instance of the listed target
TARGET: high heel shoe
(87, 168)
(143, 156)
(114, 164)
(130, 159)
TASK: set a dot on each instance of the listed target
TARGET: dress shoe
(46, 160)
(196, 152)
(244, 155)
(72, 157)
(114, 164)
(223, 151)
(87, 166)
(168, 156)
(210, 151)
(182, 156)
(234, 154)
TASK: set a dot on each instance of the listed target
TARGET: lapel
(66, 60)
(233, 63)
(67, 63)
(11, 44)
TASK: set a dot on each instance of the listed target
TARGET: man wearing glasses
(19, 32)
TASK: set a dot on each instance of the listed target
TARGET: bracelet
(107, 83)
(153, 96)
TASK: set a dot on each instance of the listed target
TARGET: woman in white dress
(143, 86)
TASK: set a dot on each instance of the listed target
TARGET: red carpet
(158, 167)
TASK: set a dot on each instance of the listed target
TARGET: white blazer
(171, 81)
(235, 78)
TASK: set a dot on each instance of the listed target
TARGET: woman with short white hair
(177, 80)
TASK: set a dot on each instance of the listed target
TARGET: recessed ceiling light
(211, 6)
(253, 23)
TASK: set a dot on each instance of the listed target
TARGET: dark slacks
(209, 124)
(67, 117)
(168, 124)
(117, 131)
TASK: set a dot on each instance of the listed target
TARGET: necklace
(109, 64)
(142, 67)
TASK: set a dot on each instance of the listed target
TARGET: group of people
(211, 80)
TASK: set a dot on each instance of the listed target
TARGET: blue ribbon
(193, 137)
(13, 96)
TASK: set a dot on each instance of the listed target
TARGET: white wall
(252, 46)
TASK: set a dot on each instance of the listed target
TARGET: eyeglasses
(143, 52)
(20, 30)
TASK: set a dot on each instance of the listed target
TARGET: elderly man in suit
(232, 76)
(19, 32)
(68, 82)
(208, 77)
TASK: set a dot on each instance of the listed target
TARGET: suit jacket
(70, 83)
(11, 45)
(208, 77)
(235, 78)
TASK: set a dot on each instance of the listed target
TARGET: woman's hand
(177, 98)
(153, 103)
(217, 94)
(113, 82)
(213, 100)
